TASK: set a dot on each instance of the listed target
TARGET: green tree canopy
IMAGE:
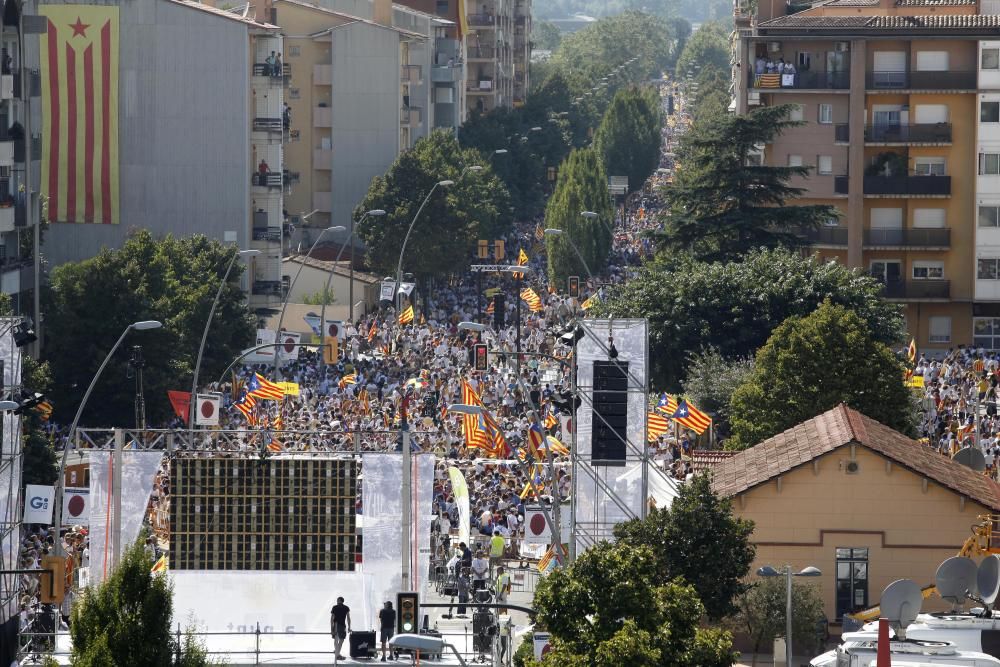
(607, 609)
(172, 280)
(710, 382)
(476, 206)
(721, 205)
(545, 36)
(711, 101)
(734, 306)
(699, 540)
(629, 135)
(761, 615)
(707, 47)
(582, 186)
(812, 363)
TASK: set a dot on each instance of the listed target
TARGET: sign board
(488, 268)
(618, 185)
(536, 529)
(207, 413)
(38, 504)
(386, 290)
(289, 349)
(76, 506)
(542, 643)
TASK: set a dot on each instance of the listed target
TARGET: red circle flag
(207, 408)
(76, 505)
(537, 524)
(289, 344)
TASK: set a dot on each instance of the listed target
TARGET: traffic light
(483, 249)
(574, 286)
(406, 618)
(330, 353)
(499, 311)
(481, 357)
(499, 249)
(52, 585)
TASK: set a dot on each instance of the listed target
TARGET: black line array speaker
(610, 416)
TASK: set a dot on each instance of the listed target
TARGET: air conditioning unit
(843, 47)
(774, 47)
(852, 468)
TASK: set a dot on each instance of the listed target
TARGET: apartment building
(151, 114)
(498, 51)
(900, 101)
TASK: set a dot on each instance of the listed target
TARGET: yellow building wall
(908, 527)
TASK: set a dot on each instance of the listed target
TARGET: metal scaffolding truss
(11, 453)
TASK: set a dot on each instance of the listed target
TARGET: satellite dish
(988, 579)
(900, 604)
(956, 580)
(971, 457)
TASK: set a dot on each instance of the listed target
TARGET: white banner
(386, 290)
(207, 413)
(536, 528)
(263, 355)
(460, 492)
(38, 504)
(312, 319)
(407, 288)
(382, 547)
(76, 506)
(542, 644)
(423, 495)
(336, 329)
(138, 471)
(289, 349)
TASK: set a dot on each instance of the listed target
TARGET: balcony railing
(265, 69)
(268, 288)
(840, 184)
(948, 80)
(267, 234)
(483, 86)
(908, 238)
(916, 289)
(834, 236)
(271, 179)
(802, 80)
(481, 53)
(907, 185)
(445, 73)
(267, 124)
(409, 116)
(932, 133)
(482, 19)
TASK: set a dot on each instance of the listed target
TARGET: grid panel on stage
(282, 514)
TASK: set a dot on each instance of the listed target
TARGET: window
(293, 93)
(928, 270)
(989, 112)
(986, 268)
(803, 58)
(825, 114)
(824, 164)
(294, 52)
(928, 166)
(989, 164)
(794, 160)
(940, 329)
(932, 61)
(926, 114)
(852, 580)
(986, 332)
(990, 59)
(929, 218)
(989, 216)
(441, 7)
(444, 95)
(797, 112)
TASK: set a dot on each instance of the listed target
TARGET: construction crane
(985, 540)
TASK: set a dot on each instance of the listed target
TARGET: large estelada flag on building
(79, 57)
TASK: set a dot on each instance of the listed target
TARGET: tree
(320, 297)
(172, 280)
(813, 363)
(711, 101)
(545, 36)
(609, 608)
(734, 306)
(710, 382)
(476, 206)
(722, 206)
(628, 138)
(126, 619)
(609, 42)
(761, 615)
(698, 540)
(582, 185)
(707, 47)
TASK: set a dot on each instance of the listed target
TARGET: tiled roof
(836, 428)
(875, 23)
(225, 14)
(707, 460)
(851, 3)
(935, 3)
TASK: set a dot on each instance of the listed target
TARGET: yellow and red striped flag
(490, 308)
(691, 417)
(365, 401)
(532, 299)
(79, 72)
(261, 387)
(911, 350)
(406, 317)
(589, 303)
(474, 436)
(551, 420)
(656, 425)
(350, 378)
(667, 405)
(373, 331)
(539, 232)
(161, 566)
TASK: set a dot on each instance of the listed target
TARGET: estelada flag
(372, 331)
(79, 73)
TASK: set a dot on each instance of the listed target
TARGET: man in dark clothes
(387, 625)
(340, 625)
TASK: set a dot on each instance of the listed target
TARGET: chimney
(382, 12)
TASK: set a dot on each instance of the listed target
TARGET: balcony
(484, 87)
(802, 81)
(267, 234)
(410, 74)
(481, 53)
(953, 80)
(914, 186)
(322, 116)
(445, 74)
(268, 125)
(322, 75)
(840, 184)
(482, 20)
(826, 236)
(268, 288)
(322, 158)
(409, 116)
(917, 290)
(271, 179)
(908, 238)
(930, 133)
(264, 69)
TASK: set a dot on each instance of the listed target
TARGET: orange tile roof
(836, 428)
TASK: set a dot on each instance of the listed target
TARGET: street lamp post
(590, 215)
(142, 325)
(786, 572)
(375, 212)
(518, 273)
(204, 334)
(551, 231)
(295, 278)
